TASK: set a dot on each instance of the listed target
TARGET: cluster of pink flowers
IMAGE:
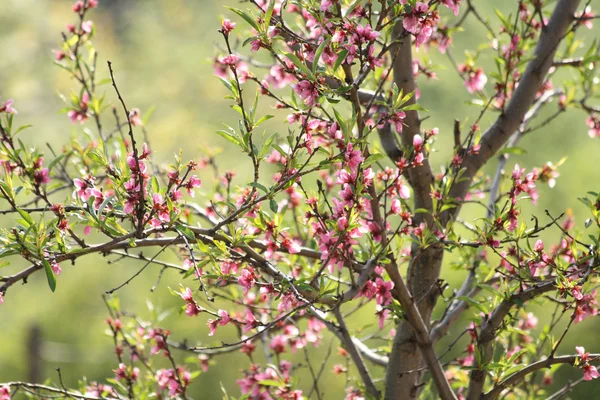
(175, 382)
(126, 373)
(191, 307)
(593, 122)
(269, 384)
(589, 371)
(80, 112)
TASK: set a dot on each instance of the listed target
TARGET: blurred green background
(162, 53)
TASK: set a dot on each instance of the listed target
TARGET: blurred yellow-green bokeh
(162, 53)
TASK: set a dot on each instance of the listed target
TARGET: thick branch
(535, 73)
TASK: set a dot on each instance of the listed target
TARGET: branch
(369, 354)
(358, 362)
(35, 386)
(522, 374)
(508, 122)
(488, 333)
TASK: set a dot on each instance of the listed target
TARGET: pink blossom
(7, 107)
(87, 230)
(41, 176)
(278, 344)
(246, 280)
(326, 4)
(224, 317)
(192, 309)
(586, 17)
(590, 372)
(475, 79)
(1, 297)
(593, 122)
(307, 92)
(227, 26)
(418, 142)
(86, 26)
(56, 268)
(382, 315)
(230, 60)
(383, 294)
(452, 4)
(187, 294)
(583, 356)
(353, 157)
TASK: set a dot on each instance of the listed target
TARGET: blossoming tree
(355, 218)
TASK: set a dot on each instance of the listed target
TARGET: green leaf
(263, 119)
(269, 14)
(269, 382)
(415, 106)
(273, 205)
(474, 303)
(49, 275)
(513, 150)
(372, 159)
(26, 217)
(298, 64)
(259, 186)
(55, 161)
(246, 17)
(229, 136)
(186, 231)
(341, 57)
(318, 55)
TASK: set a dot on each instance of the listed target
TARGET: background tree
(284, 259)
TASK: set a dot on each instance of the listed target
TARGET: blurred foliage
(162, 52)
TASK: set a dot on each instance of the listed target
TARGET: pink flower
(4, 389)
(7, 107)
(187, 295)
(193, 183)
(382, 315)
(1, 298)
(134, 117)
(383, 294)
(590, 372)
(86, 26)
(539, 246)
(80, 111)
(246, 280)
(212, 326)
(593, 122)
(418, 143)
(87, 230)
(56, 268)
(583, 356)
(398, 120)
(192, 309)
(230, 60)
(41, 176)
(353, 157)
(227, 26)
(586, 17)
(278, 344)
(307, 92)
(224, 317)
(475, 80)
(452, 4)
